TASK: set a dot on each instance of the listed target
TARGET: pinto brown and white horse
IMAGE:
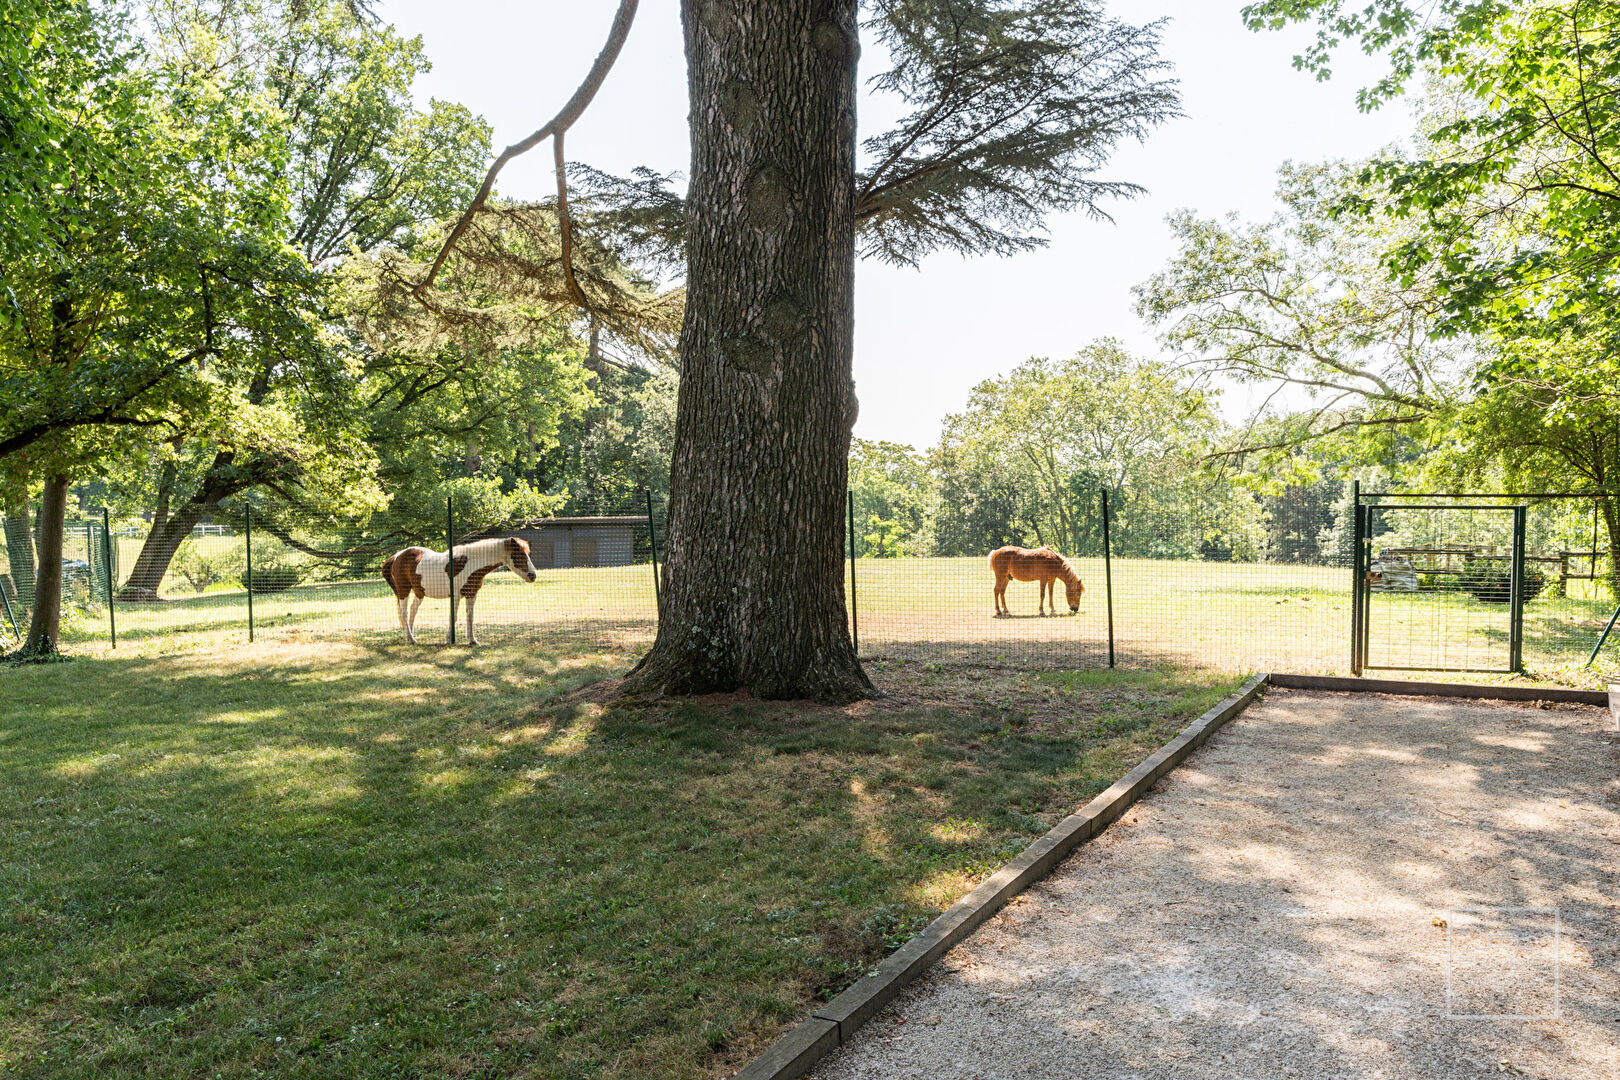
(420, 572)
(1035, 564)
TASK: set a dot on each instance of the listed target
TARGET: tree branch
(554, 128)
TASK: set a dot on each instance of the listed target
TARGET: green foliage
(1510, 196)
(1306, 301)
(480, 503)
(1027, 460)
(1009, 111)
(1013, 108)
(168, 281)
(275, 576)
(1411, 34)
(1490, 581)
(894, 499)
(203, 565)
(365, 167)
(57, 56)
(620, 444)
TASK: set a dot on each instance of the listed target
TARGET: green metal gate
(1438, 588)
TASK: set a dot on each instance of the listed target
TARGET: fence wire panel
(592, 564)
(1209, 589)
(182, 587)
(1439, 588)
(1440, 583)
(1189, 586)
(942, 610)
(1203, 579)
(1569, 581)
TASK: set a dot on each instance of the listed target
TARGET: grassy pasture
(363, 860)
(1229, 616)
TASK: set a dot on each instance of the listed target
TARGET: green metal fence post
(107, 565)
(250, 572)
(1516, 593)
(17, 633)
(652, 533)
(1108, 576)
(450, 560)
(854, 607)
(1357, 517)
(1601, 638)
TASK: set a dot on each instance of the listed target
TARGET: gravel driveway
(1337, 885)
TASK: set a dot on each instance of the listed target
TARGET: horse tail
(388, 569)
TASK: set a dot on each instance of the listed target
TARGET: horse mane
(484, 547)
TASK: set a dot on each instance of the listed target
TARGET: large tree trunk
(170, 531)
(20, 551)
(44, 628)
(754, 595)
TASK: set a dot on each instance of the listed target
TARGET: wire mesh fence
(1160, 585)
(251, 575)
(1482, 584)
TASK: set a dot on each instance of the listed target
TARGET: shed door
(584, 551)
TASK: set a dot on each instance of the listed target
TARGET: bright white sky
(924, 338)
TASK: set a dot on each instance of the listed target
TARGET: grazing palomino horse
(1035, 564)
(423, 572)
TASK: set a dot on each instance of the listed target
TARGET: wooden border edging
(830, 1026)
(1434, 689)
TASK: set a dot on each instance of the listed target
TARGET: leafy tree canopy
(1513, 180)
(1304, 304)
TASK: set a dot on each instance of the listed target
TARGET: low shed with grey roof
(559, 543)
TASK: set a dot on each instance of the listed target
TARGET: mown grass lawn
(338, 860)
(1232, 616)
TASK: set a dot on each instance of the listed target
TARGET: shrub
(276, 577)
(1491, 581)
(200, 568)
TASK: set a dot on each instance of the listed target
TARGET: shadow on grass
(377, 860)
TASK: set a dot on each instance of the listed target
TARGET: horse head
(517, 558)
(1074, 587)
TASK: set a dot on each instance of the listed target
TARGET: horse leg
(1046, 585)
(410, 623)
(1001, 593)
(472, 638)
(403, 602)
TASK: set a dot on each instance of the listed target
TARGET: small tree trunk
(44, 627)
(159, 549)
(166, 536)
(754, 575)
(1610, 505)
(164, 493)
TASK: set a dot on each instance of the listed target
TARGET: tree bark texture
(753, 572)
(44, 627)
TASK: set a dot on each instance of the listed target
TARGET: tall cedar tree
(1014, 106)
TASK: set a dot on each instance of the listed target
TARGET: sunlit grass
(1230, 616)
(340, 859)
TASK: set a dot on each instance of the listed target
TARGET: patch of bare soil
(1337, 885)
(1008, 694)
